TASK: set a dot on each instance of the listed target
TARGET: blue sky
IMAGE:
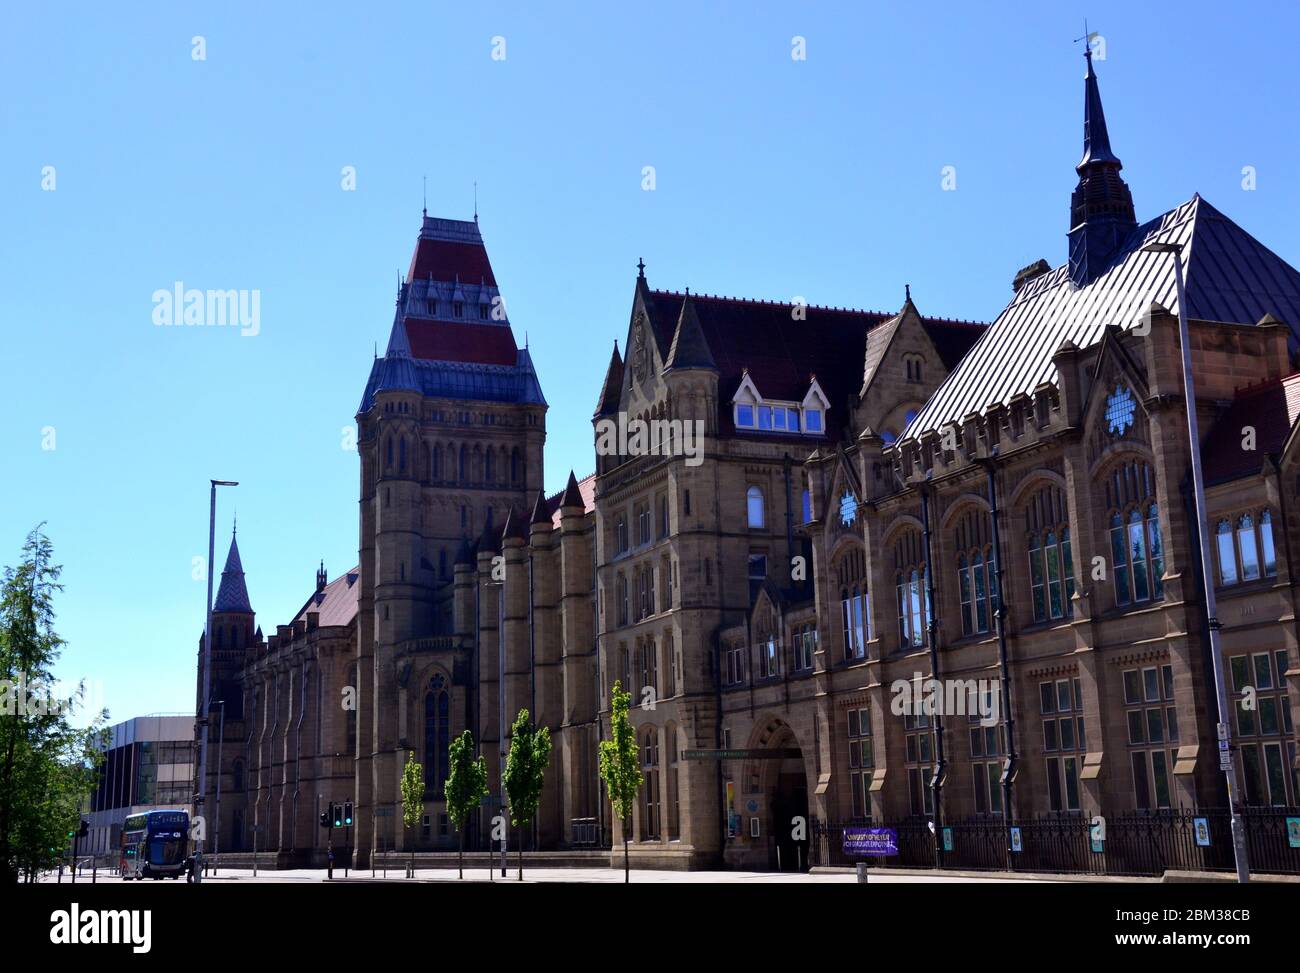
(774, 178)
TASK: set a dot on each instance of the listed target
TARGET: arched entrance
(783, 785)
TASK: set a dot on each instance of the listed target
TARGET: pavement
(234, 876)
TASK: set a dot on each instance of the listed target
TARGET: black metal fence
(1134, 844)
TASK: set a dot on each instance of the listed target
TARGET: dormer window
(431, 307)
(457, 309)
(745, 416)
(483, 312)
(812, 420)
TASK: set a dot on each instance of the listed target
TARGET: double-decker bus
(155, 844)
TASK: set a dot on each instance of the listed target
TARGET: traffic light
(336, 815)
(84, 830)
(347, 814)
(324, 819)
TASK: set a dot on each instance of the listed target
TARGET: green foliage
(530, 750)
(412, 791)
(466, 779)
(47, 766)
(620, 764)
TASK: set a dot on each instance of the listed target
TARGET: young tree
(525, 769)
(465, 789)
(412, 801)
(620, 765)
(47, 767)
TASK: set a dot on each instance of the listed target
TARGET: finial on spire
(907, 292)
(426, 196)
(640, 268)
(234, 525)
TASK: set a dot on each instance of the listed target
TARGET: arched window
(650, 798)
(221, 636)
(490, 465)
(910, 581)
(1136, 548)
(237, 772)
(436, 463)
(463, 472)
(674, 784)
(388, 451)
(401, 454)
(855, 608)
(807, 506)
(1051, 561)
(437, 731)
(976, 583)
(514, 465)
(1246, 551)
(754, 505)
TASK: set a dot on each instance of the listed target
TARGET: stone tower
(450, 434)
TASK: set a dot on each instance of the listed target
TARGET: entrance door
(790, 801)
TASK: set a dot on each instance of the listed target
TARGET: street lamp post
(221, 738)
(1227, 762)
(204, 703)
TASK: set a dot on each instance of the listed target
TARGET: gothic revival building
(834, 505)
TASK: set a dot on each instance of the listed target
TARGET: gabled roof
(336, 602)
(1271, 409)
(232, 596)
(1230, 276)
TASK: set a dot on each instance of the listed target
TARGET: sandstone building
(872, 493)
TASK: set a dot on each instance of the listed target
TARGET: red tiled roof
(448, 260)
(1271, 409)
(484, 344)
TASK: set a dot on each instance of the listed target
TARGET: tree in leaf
(465, 788)
(620, 766)
(530, 750)
(412, 801)
(47, 766)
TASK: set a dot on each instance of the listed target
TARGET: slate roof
(1271, 408)
(336, 602)
(1229, 275)
(232, 596)
(448, 358)
(782, 354)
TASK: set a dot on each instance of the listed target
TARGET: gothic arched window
(437, 732)
(754, 507)
(1051, 562)
(910, 581)
(976, 581)
(1136, 548)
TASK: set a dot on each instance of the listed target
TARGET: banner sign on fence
(1015, 840)
(947, 839)
(1202, 827)
(1293, 832)
(870, 841)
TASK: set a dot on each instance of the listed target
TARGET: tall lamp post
(205, 702)
(221, 738)
(1227, 762)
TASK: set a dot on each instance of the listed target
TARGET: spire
(640, 268)
(541, 512)
(322, 579)
(1096, 139)
(689, 348)
(612, 391)
(232, 596)
(572, 496)
(1101, 208)
(514, 526)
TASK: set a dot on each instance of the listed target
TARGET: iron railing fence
(1136, 843)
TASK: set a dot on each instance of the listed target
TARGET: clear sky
(774, 178)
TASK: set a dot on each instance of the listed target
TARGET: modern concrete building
(148, 765)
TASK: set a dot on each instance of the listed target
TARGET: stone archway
(781, 796)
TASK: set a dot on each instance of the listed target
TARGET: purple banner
(870, 841)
